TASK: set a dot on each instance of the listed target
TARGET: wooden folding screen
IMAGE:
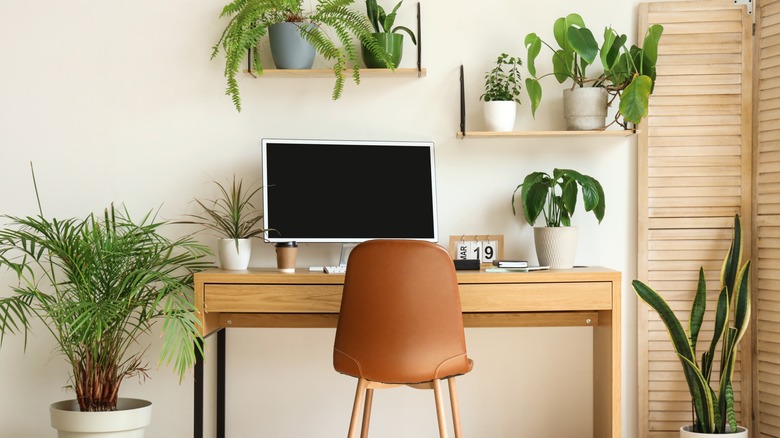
(767, 224)
(694, 175)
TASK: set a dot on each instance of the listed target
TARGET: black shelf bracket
(419, 43)
(462, 104)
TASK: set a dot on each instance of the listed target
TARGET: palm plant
(99, 284)
(250, 20)
(713, 410)
(539, 194)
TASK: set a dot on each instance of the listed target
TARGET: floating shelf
(328, 73)
(541, 134)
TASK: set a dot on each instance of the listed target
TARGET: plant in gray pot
(555, 197)
(628, 73)
(98, 285)
(712, 398)
(386, 36)
(251, 20)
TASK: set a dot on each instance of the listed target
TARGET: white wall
(118, 101)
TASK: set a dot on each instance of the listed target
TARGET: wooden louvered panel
(767, 245)
(694, 175)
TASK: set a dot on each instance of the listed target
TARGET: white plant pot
(232, 258)
(128, 421)
(740, 433)
(556, 246)
(585, 108)
(500, 115)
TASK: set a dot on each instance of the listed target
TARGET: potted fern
(387, 36)
(502, 91)
(713, 407)
(555, 197)
(628, 73)
(234, 217)
(251, 20)
(98, 285)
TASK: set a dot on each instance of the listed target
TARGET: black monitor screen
(348, 191)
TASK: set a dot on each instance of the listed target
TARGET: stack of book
(510, 263)
(513, 266)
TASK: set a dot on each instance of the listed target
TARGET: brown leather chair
(401, 324)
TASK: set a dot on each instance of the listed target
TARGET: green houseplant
(555, 197)
(250, 21)
(628, 72)
(98, 285)
(502, 92)
(235, 218)
(713, 407)
(386, 35)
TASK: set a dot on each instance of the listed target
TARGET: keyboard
(335, 269)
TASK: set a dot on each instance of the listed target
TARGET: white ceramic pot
(686, 433)
(585, 108)
(129, 420)
(500, 115)
(234, 258)
(556, 246)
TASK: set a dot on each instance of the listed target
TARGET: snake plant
(713, 407)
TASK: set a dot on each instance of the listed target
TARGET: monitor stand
(346, 248)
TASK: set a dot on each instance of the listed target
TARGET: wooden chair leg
(359, 395)
(454, 407)
(367, 412)
(439, 408)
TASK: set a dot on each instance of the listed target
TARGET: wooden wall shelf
(328, 73)
(544, 134)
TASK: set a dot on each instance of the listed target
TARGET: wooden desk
(576, 297)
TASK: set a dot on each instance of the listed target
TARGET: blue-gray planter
(288, 48)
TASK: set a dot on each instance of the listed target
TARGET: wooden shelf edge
(326, 73)
(539, 134)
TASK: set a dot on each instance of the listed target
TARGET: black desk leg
(198, 386)
(221, 348)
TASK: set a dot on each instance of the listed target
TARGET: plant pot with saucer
(386, 36)
(501, 97)
(99, 285)
(555, 197)
(710, 384)
(234, 217)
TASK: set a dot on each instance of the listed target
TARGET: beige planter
(585, 108)
(556, 246)
(129, 420)
(685, 433)
(232, 258)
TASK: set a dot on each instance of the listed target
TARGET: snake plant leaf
(702, 395)
(372, 10)
(728, 361)
(408, 32)
(697, 310)
(534, 91)
(673, 325)
(721, 321)
(741, 301)
(731, 263)
(635, 99)
(583, 43)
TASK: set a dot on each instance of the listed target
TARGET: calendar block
(484, 248)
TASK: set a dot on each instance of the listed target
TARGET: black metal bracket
(419, 43)
(462, 104)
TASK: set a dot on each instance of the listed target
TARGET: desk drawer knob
(588, 321)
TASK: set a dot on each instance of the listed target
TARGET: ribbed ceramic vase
(740, 433)
(234, 258)
(129, 420)
(556, 246)
(585, 108)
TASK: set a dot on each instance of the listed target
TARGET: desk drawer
(536, 297)
(272, 298)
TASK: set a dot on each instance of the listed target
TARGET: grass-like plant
(249, 22)
(713, 410)
(556, 196)
(99, 284)
(232, 215)
(503, 85)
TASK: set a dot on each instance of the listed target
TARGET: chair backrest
(400, 319)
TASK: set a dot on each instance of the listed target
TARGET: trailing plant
(713, 407)
(503, 85)
(383, 22)
(232, 215)
(628, 72)
(556, 196)
(98, 285)
(250, 20)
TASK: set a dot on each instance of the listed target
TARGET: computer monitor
(346, 191)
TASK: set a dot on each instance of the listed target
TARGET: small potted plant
(628, 73)
(98, 285)
(713, 407)
(386, 36)
(502, 94)
(235, 219)
(555, 197)
(251, 20)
